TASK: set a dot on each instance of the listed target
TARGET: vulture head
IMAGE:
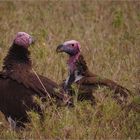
(23, 39)
(72, 48)
(18, 52)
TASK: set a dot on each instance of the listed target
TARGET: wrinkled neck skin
(72, 63)
(73, 72)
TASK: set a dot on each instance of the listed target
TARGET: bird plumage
(85, 80)
(19, 85)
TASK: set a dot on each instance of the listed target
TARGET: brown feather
(91, 81)
(19, 85)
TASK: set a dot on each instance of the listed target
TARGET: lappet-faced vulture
(85, 80)
(19, 84)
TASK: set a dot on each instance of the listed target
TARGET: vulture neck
(77, 69)
(72, 62)
(18, 56)
(77, 64)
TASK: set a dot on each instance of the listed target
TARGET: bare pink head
(23, 39)
(72, 48)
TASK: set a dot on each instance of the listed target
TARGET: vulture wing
(17, 91)
(39, 84)
(96, 81)
(87, 84)
(16, 99)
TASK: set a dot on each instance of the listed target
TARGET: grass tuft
(109, 34)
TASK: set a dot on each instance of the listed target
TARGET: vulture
(86, 81)
(19, 84)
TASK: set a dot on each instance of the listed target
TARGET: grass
(109, 33)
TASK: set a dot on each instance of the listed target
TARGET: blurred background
(108, 31)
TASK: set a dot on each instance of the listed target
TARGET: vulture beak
(59, 48)
(33, 41)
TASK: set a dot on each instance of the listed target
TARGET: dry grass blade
(46, 91)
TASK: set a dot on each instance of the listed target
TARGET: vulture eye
(72, 44)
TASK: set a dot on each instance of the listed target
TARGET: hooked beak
(59, 48)
(33, 41)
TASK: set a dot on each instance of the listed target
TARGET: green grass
(109, 33)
